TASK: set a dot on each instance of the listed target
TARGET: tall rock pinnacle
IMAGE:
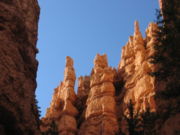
(136, 29)
(100, 115)
(62, 110)
(160, 4)
(134, 68)
(137, 38)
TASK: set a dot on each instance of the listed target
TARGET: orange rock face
(83, 86)
(62, 110)
(82, 95)
(160, 3)
(100, 115)
(134, 68)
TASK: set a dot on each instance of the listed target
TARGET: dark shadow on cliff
(8, 123)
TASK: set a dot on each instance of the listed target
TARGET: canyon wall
(18, 67)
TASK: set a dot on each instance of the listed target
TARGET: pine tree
(148, 119)
(140, 123)
(167, 49)
(53, 130)
(133, 120)
(36, 110)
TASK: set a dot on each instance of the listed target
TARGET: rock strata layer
(100, 115)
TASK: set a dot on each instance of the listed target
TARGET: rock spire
(100, 115)
(62, 111)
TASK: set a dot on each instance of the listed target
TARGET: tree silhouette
(148, 119)
(133, 121)
(53, 130)
(167, 49)
(140, 123)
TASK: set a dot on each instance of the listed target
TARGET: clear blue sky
(81, 29)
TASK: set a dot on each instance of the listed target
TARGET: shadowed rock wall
(18, 66)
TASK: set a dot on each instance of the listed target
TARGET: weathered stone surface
(160, 3)
(18, 66)
(83, 86)
(100, 111)
(62, 110)
(67, 123)
(134, 68)
(82, 95)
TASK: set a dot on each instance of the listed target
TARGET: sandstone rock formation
(18, 66)
(62, 110)
(134, 68)
(160, 4)
(82, 95)
(102, 97)
(100, 103)
(132, 77)
(83, 86)
(100, 115)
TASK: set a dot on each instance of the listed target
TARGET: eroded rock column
(100, 116)
(62, 111)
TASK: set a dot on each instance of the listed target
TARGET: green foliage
(167, 44)
(133, 121)
(36, 110)
(140, 123)
(53, 129)
(148, 119)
